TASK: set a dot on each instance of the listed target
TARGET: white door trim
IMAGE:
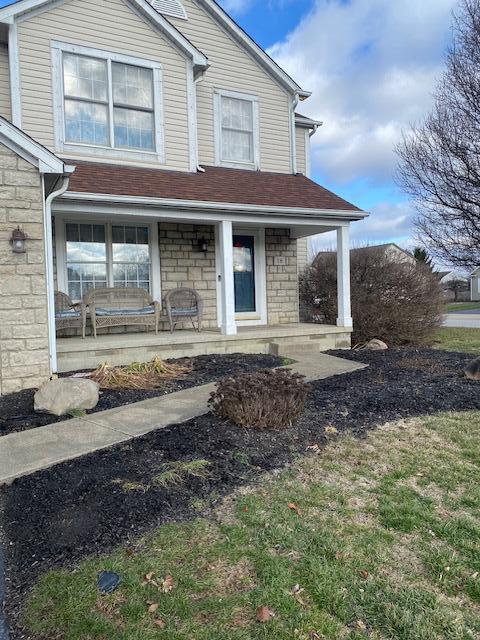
(260, 315)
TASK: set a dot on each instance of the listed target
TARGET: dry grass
(138, 375)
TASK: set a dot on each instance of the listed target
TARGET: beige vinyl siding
(232, 68)
(112, 26)
(301, 150)
(5, 105)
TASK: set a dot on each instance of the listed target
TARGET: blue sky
(372, 66)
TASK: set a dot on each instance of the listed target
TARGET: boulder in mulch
(376, 345)
(61, 397)
(473, 369)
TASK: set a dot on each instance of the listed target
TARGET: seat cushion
(67, 313)
(192, 311)
(145, 311)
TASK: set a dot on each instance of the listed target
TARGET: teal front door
(244, 273)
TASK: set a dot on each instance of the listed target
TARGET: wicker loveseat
(120, 306)
(69, 315)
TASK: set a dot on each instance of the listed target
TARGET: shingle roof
(215, 185)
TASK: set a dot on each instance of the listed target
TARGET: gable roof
(31, 150)
(238, 188)
(23, 7)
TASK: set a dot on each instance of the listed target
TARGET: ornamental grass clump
(267, 399)
(138, 375)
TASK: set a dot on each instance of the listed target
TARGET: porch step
(292, 348)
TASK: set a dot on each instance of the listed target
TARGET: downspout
(293, 130)
(197, 81)
(47, 229)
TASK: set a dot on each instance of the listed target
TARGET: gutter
(200, 205)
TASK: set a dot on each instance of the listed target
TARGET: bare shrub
(399, 302)
(265, 399)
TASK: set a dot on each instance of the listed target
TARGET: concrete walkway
(469, 319)
(29, 451)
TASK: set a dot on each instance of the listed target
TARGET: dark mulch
(58, 516)
(17, 414)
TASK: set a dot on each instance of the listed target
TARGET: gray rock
(376, 345)
(473, 369)
(61, 396)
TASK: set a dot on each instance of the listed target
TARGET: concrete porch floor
(123, 348)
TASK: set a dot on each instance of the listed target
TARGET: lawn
(462, 306)
(464, 340)
(372, 538)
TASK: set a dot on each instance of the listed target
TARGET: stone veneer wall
(282, 280)
(23, 291)
(181, 265)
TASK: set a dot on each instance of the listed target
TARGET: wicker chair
(184, 304)
(120, 306)
(69, 315)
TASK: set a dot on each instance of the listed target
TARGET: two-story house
(152, 144)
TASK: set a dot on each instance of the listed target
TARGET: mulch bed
(60, 515)
(17, 414)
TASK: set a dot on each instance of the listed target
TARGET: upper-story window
(236, 130)
(107, 104)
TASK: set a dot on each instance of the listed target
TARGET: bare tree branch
(439, 160)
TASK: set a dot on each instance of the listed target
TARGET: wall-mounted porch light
(202, 245)
(18, 241)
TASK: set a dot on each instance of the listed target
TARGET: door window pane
(244, 273)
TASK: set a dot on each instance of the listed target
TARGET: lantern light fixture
(202, 245)
(18, 241)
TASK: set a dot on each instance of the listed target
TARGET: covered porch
(75, 354)
(241, 258)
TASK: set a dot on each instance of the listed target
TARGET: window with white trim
(106, 255)
(108, 103)
(237, 132)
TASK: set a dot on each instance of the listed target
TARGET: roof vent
(172, 8)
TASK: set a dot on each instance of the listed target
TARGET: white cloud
(387, 223)
(372, 67)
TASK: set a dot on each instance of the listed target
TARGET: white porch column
(225, 236)
(344, 318)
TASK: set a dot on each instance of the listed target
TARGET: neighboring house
(153, 144)
(456, 288)
(475, 285)
(392, 250)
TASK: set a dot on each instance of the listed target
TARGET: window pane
(237, 114)
(85, 243)
(85, 77)
(86, 122)
(132, 86)
(83, 277)
(134, 247)
(237, 146)
(133, 129)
